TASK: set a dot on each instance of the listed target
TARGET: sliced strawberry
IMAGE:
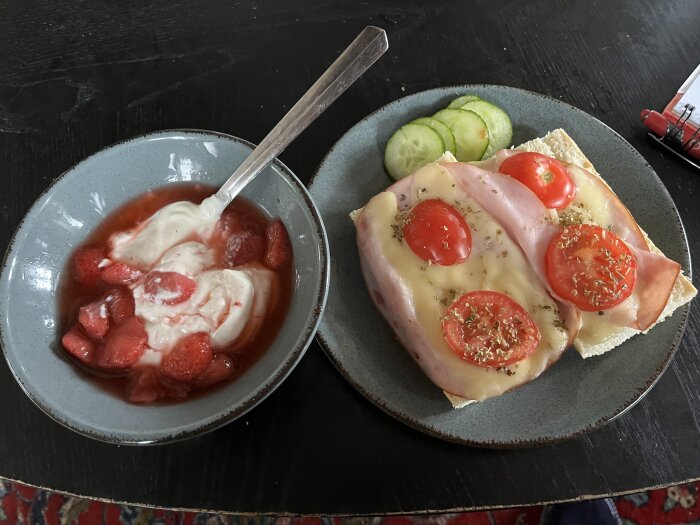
(221, 368)
(120, 303)
(168, 287)
(120, 273)
(232, 221)
(242, 248)
(94, 318)
(278, 251)
(78, 345)
(143, 385)
(124, 346)
(86, 264)
(189, 359)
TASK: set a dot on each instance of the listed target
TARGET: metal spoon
(355, 60)
(175, 222)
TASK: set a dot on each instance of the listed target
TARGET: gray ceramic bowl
(71, 207)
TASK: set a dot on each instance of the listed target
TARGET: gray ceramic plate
(75, 203)
(575, 395)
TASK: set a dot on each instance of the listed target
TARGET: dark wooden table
(77, 76)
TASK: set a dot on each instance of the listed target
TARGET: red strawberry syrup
(242, 236)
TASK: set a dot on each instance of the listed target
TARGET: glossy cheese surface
(596, 203)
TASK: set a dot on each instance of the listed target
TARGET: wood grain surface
(76, 76)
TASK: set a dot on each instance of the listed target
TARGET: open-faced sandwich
(595, 203)
(488, 271)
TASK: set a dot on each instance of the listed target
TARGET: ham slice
(526, 220)
(390, 299)
(656, 276)
(616, 214)
(413, 295)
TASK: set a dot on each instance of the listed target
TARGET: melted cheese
(596, 329)
(496, 263)
(593, 204)
(596, 204)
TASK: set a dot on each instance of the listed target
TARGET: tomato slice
(545, 176)
(489, 329)
(438, 233)
(590, 267)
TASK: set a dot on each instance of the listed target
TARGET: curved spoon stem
(348, 67)
(175, 222)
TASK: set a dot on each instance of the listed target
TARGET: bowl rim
(258, 394)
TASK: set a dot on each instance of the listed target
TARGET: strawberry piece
(229, 223)
(221, 368)
(120, 303)
(94, 318)
(232, 221)
(146, 385)
(174, 389)
(189, 359)
(243, 248)
(168, 287)
(125, 345)
(78, 345)
(278, 251)
(120, 273)
(143, 386)
(86, 264)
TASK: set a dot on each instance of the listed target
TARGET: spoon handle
(348, 67)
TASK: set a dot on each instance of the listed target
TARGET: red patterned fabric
(22, 505)
(674, 505)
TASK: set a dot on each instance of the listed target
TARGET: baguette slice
(560, 145)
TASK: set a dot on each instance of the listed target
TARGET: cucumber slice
(460, 101)
(445, 133)
(498, 122)
(411, 147)
(470, 131)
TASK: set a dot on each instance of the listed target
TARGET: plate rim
(258, 395)
(640, 393)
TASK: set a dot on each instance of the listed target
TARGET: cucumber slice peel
(411, 147)
(497, 121)
(460, 101)
(445, 133)
(470, 132)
